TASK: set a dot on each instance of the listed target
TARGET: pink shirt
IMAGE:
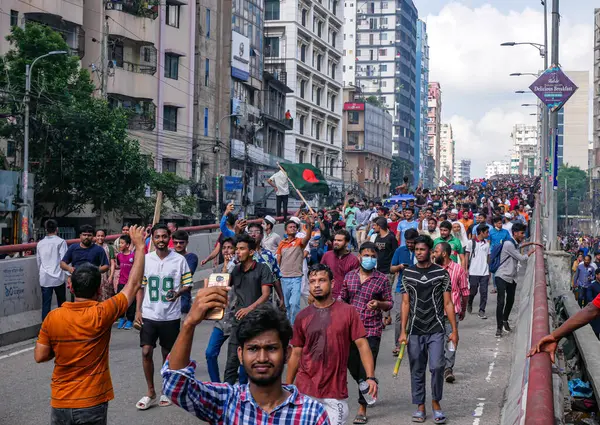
(460, 284)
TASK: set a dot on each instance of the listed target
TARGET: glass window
(272, 47)
(272, 10)
(171, 66)
(170, 118)
(14, 19)
(353, 117)
(173, 15)
(169, 165)
(207, 23)
(11, 147)
(206, 72)
(206, 121)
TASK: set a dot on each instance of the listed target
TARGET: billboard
(353, 106)
(240, 56)
(553, 88)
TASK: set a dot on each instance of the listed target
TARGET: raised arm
(136, 233)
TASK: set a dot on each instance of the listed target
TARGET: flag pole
(297, 191)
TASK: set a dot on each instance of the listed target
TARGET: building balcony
(141, 112)
(141, 8)
(73, 34)
(132, 55)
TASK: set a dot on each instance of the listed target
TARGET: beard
(266, 380)
(338, 248)
(87, 242)
(438, 260)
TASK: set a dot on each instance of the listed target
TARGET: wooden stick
(297, 191)
(156, 218)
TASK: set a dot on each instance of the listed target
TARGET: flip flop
(419, 416)
(164, 401)
(145, 403)
(360, 420)
(439, 417)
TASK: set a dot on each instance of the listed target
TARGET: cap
(270, 219)
(296, 220)
(454, 211)
(508, 215)
(527, 207)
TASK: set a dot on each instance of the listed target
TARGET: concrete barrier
(21, 296)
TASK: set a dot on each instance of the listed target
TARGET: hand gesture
(373, 305)
(206, 300)
(229, 208)
(547, 344)
(136, 233)
(240, 225)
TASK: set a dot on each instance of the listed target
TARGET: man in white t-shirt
(50, 251)
(508, 222)
(166, 276)
(478, 254)
(280, 183)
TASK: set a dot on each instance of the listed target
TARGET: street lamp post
(25, 179)
(217, 150)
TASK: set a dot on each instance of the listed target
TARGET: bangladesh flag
(306, 178)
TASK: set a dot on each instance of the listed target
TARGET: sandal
(419, 416)
(396, 352)
(360, 420)
(145, 403)
(439, 417)
(164, 401)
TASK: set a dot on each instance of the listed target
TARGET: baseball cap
(296, 220)
(270, 219)
(454, 211)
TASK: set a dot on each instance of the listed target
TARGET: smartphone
(217, 279)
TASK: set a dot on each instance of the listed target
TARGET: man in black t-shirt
(427, 295)
(386, 244)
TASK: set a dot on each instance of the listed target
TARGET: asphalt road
(482, 370)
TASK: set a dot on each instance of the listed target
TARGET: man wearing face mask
(369, 291)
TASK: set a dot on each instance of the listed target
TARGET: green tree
(400, 169)
(576, 183)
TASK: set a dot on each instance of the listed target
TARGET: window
(318, 130)
(11, 147)
(272, 47)
(301, 120)
(206, 121)
(333, 69)
(383, 68)
(383, 21)
(319, 96)
(303, 53)
(353, 117)
(206, 71)
(332, 135)
(171, 66)
(382, 52)
(320, 28)
(333, 103)
(383, 36)
(302, 88)
(14, 19)
(207, 23)
(272, 10)
(384, 4)
(353, 138)
(173, 15)
(304, 17)
(331, 166)
(170, 118)
(169, 165)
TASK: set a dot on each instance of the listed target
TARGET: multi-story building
(447, 151)
(525, 157)
(303, 42)
(423, 161)
(434, 122)
(573, 120)
(385, 64)
(349, 44)
(462, 170)
(367, 145)
(596, 91)
(496, 168)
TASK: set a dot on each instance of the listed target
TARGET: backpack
(496, 254)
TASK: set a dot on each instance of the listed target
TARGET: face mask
(368, 263)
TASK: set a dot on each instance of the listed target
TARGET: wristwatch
(372, 378)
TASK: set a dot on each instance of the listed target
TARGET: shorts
(337, 410)
(167, 332)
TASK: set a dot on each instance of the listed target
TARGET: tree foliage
(575, 181)
(79, 148)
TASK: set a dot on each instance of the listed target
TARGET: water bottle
(451, 346)
(363, 387)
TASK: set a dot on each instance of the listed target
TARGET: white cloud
(472, 67)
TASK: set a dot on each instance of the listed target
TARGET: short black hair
(160, 226)
(87, 228)
(481, 228)
(315, 268)
(519, 227)
(381, 222)
(368, 245)
(51, 226)
(262, 319)
(483, 214)
(231, 219)
(228, 240)
(496, 219)
(287, 223)
(85, 281)
(344, 233)
(245, 238)
(412, 210)
(445, 248)
(101, 230)
(411, 234)
(126, 238)
(180, 235)
(597, 271)
(126, 224)
(257, 226)
(174, 224)
(424, 239)
(446, 225)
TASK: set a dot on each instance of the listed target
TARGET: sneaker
(507, 326)
(121, 323)
(499, 333)
(469, 308)
(482, 315)
(128, 325)
(449, 376)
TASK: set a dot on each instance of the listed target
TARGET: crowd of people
(317, 297)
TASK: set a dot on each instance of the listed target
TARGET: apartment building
(385, 64)
(525, 156)
(596, 94)
(573, 120)
(423, 169)
(303, 42)
(462, 170)
(447, 151)
(434, 122)
(497, 168)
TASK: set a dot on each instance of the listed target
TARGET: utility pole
(104, 56)
(545, 136)
(566, 206)
(552, 198)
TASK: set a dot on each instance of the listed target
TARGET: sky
(465, 56)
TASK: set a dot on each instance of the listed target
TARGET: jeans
(479, 284)
(281, 206)
(449, 355)
(353, 243)
(232, 367)
(421, 350)
(355, 366)
(216, 341)
(291, 287)
(502, 309)
(398, 309)
(61, 297)
(96, 415)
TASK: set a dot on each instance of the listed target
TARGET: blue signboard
(233, 183)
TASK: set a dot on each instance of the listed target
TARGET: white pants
(337, 410)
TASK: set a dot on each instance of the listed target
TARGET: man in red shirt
(340, 260)
(323, 334)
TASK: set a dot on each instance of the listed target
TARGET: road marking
(488, 378)
(14, 353)
(478, 412)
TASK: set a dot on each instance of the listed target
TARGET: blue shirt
(186, 297)
(227, 233)
(584, 275)
(76, 256)
(403, 226)
(264, 256)
(498, 236)
(402, 255)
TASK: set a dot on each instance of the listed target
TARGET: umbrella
(459, 187)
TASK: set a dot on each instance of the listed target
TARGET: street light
(520, 74)
(529, 104)
(538, 46)
(25, 179)
(520, 91)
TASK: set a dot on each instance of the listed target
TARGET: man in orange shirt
(78, 335)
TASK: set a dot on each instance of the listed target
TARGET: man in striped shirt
(460, 297)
